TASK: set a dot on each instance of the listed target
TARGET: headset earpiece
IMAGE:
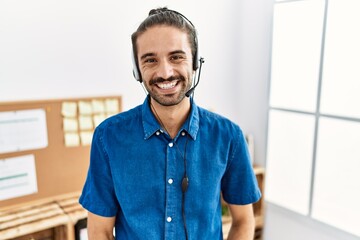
(136, 71)
(196, 58)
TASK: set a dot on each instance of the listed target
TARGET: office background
(60, 49)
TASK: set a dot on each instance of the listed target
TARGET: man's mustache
(160, 79)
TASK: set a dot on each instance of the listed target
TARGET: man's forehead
(162, 31)
(163, 38)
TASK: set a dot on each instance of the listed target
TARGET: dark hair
(168, 17)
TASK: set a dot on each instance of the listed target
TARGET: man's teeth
(167, 85)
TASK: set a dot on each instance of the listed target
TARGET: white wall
(253, 66)
(59, 49)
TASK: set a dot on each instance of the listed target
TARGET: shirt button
(157, 133)
(171, 144)
(168, 219)
(183, 134)
(170, 181)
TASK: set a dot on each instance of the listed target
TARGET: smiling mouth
(167, 85)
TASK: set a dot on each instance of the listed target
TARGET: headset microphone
(191, 90)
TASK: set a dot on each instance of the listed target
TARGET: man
(157, 171)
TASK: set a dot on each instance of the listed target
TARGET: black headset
(197, 60)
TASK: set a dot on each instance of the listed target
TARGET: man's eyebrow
(147, 55)
(177, 52)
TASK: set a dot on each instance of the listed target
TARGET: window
(313, 150)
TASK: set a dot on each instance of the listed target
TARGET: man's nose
(165, 70)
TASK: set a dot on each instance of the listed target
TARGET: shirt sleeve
(98, 195)
(239, 184)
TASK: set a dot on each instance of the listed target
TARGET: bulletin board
(61, 164)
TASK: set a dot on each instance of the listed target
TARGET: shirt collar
(151, 125)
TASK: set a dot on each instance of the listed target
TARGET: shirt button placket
(170, 192)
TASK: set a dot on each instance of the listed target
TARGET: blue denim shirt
(136, 170)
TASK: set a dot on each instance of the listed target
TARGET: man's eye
(149, 60)
(177, 57)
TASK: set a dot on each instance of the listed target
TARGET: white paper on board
(17, 177)
(23, 130)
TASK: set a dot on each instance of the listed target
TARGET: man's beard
(168, 99)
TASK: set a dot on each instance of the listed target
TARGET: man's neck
(171, 117)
